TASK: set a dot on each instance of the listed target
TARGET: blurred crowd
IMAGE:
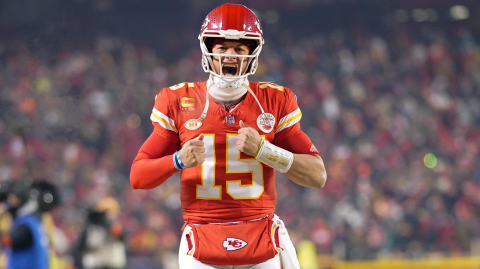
(373, 104)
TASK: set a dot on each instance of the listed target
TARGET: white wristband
(274, 156)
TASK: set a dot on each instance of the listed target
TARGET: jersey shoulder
(274, 91)
(170, 102)
(183, 89)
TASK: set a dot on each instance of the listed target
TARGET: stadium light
(459, 12)
(430, 160)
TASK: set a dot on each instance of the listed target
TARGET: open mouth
(229, 70)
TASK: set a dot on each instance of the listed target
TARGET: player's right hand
(193, 152)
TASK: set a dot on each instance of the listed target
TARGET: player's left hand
(248, 139)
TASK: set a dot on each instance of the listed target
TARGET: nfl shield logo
(230, 120)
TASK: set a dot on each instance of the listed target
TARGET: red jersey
(229, 185)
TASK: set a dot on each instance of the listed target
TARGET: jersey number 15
(234, 164)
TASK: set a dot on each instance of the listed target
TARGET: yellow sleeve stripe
(289, 116)
(163, 120)
(288, 121)
(299, 114)
(163, 123)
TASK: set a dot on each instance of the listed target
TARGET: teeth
(230, 65)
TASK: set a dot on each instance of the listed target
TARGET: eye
(220, 48)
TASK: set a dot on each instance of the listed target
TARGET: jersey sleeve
(153, 163)
(163, 115)
(299, 143)
(289, 117)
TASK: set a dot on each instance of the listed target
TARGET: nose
(230, 58)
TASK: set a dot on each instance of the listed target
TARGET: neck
(228, 93)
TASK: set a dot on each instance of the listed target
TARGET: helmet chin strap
(227, 89)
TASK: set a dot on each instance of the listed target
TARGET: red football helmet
(235, 22)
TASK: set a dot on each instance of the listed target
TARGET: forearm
(148, 173)
(154, 162)
(302, 168)
(307, 170)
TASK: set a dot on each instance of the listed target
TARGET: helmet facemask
(246, 65)
(231, 22)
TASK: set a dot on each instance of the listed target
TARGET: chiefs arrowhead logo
(232, 244)
(313, 149)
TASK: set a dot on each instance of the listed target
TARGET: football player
(227, 136)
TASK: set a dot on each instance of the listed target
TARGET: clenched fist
(193, 152)
(248, 139)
